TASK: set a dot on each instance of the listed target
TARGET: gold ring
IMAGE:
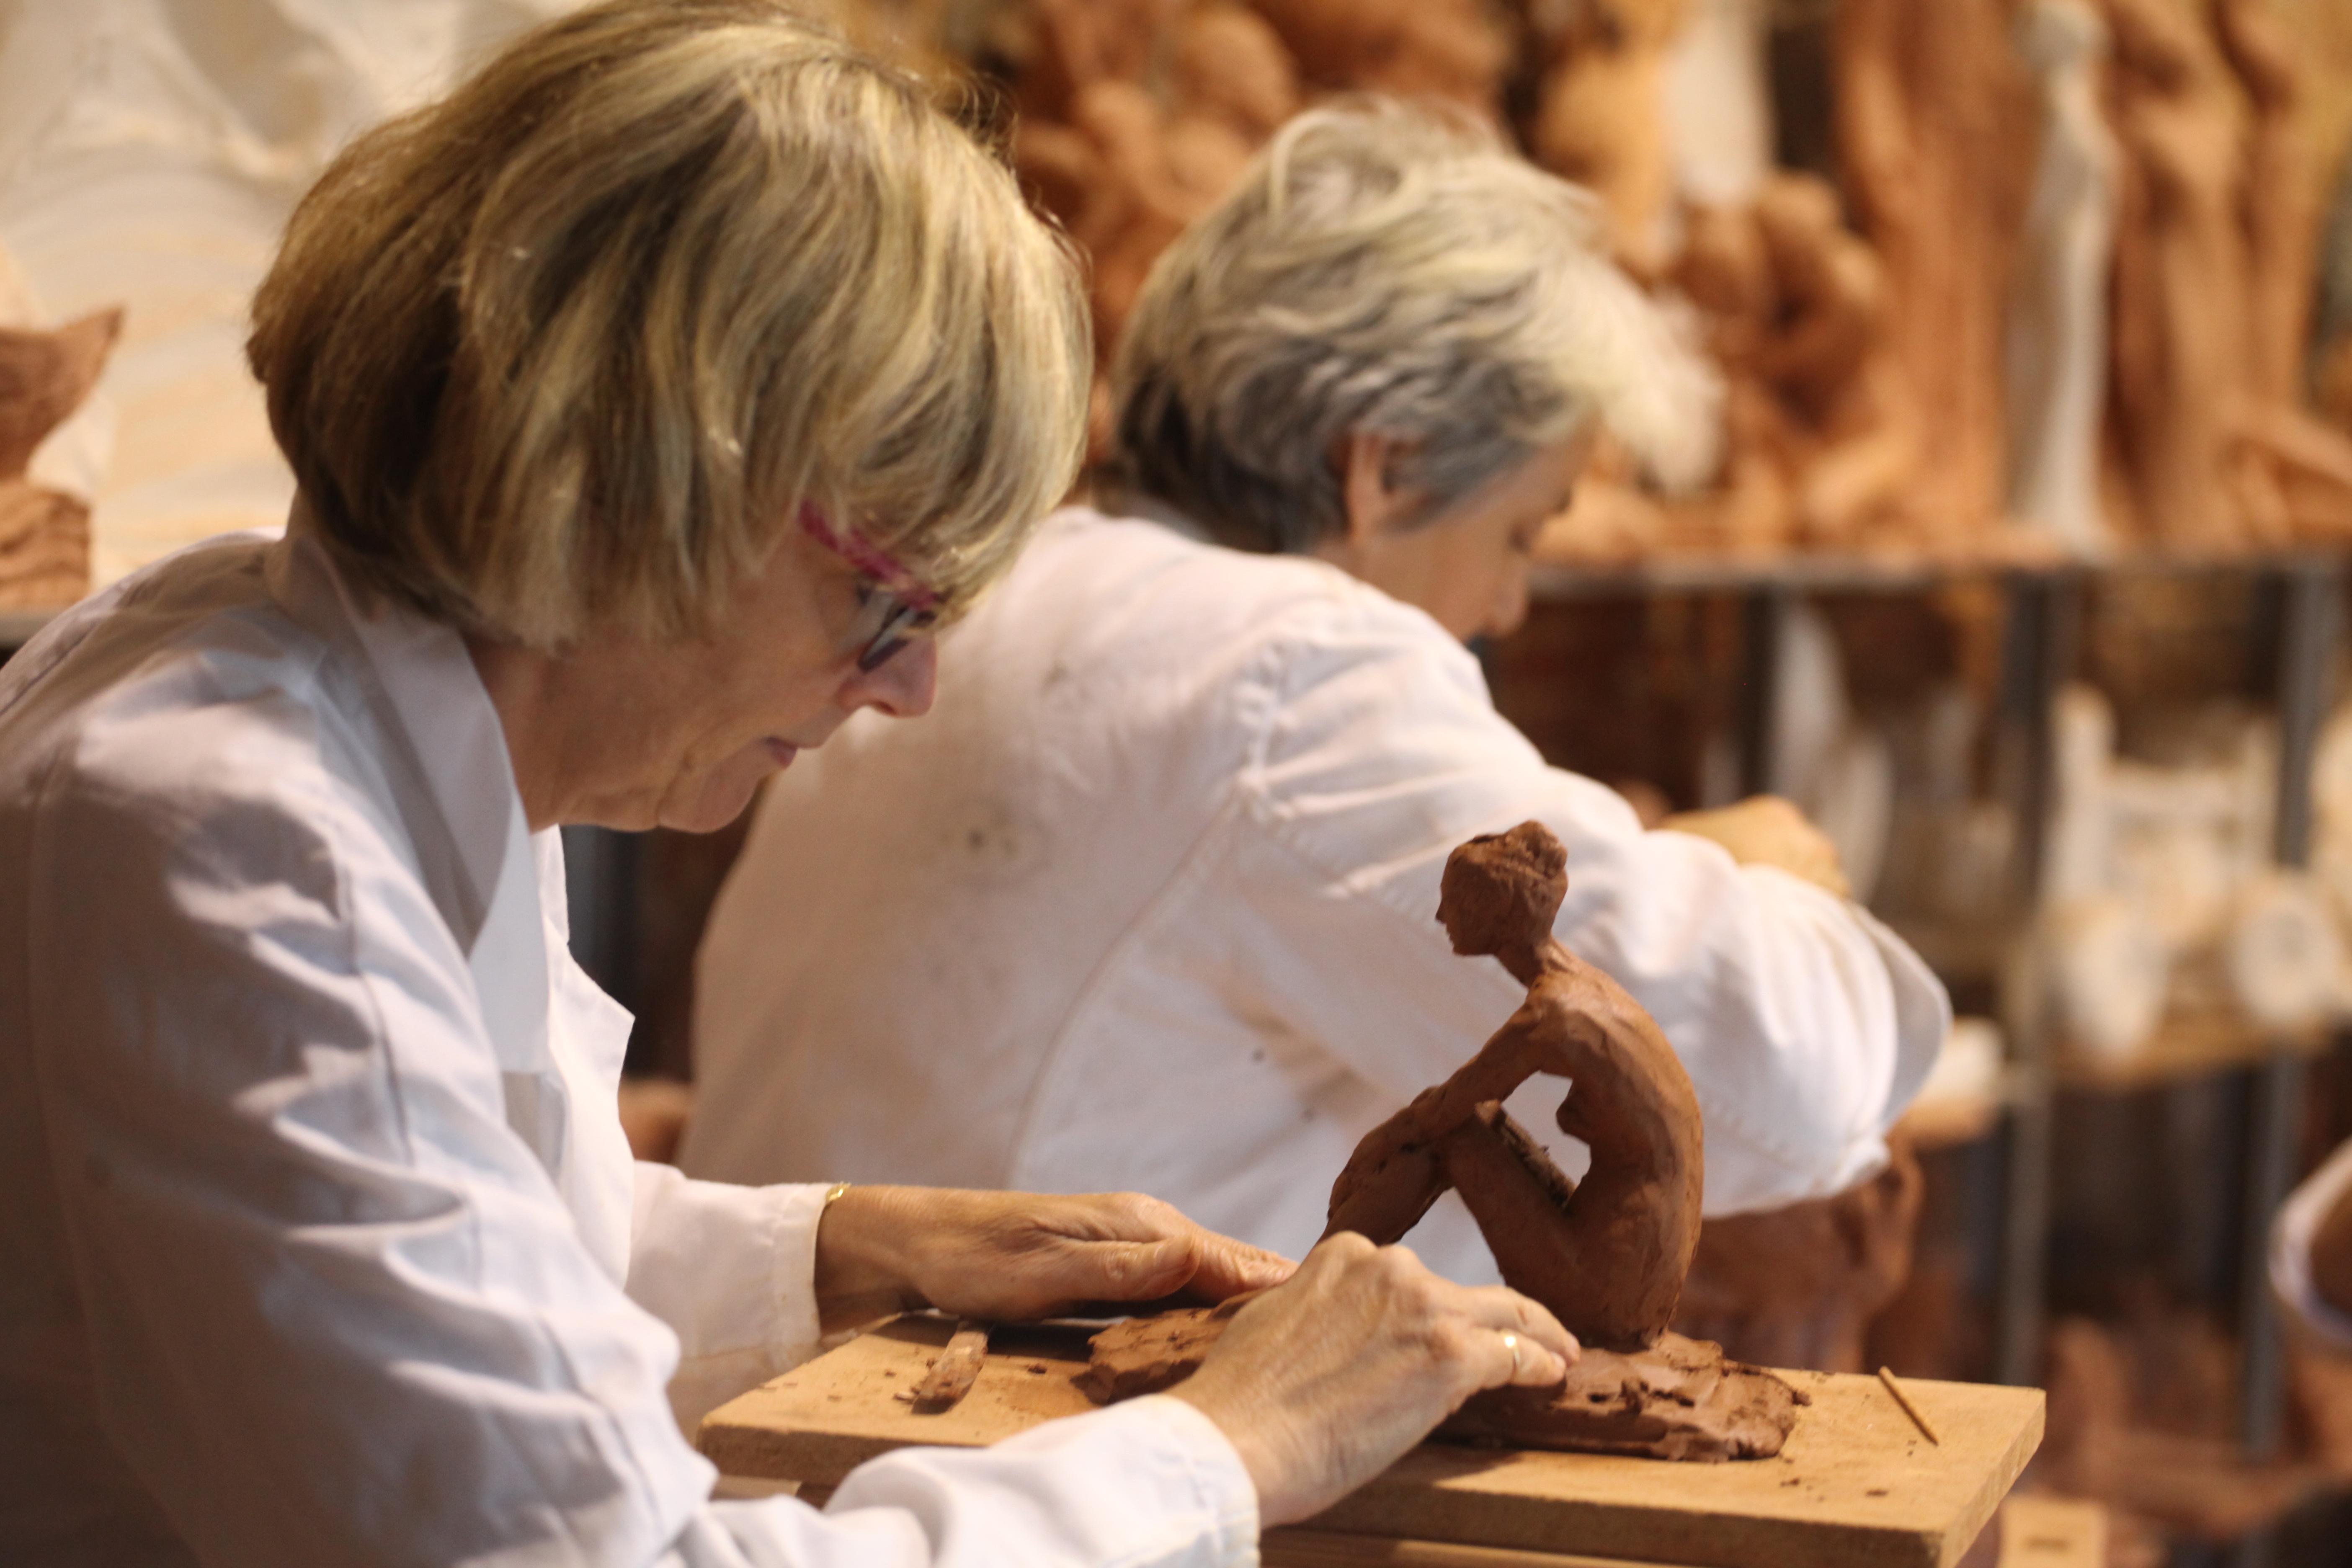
(1511, 1344)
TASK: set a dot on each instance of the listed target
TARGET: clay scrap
(1607, 1255)
(1678, 1399)
(1145, 1355)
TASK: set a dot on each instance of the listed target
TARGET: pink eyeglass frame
(875, 563)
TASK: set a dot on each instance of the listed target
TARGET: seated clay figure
(1607, 1254)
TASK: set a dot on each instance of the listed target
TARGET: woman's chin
(723, 795)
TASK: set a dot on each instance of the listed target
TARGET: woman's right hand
(1766, 830)
(1326, 1379)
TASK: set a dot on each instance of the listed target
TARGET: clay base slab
(1680, 1399)
(1856, 1487)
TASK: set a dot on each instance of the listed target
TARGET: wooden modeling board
(1857, 1486)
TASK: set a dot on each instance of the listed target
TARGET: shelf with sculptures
(2053, 281)
(2059, 303)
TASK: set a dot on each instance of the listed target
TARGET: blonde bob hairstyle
(567, 351)
(1398, 273)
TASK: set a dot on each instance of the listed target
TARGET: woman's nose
(1509, 610)
(902, 686)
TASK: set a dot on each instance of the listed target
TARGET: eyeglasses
(894, 607)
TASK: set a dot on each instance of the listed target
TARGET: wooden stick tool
(1886, 1377)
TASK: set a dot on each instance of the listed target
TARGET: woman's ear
(1375, 504)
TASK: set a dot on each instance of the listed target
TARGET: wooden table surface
(1857, 1486)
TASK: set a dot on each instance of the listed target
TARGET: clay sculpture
(1601, 118)
(1607, 1254)
(43, 532)
(1933, 108)
(1825, 440)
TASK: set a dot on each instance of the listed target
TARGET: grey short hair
(1385, 269)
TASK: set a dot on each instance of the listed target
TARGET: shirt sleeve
(731, 1270)
(1150, 1483)
(1806, 1025)
(336, 1312)
(2305, 1210)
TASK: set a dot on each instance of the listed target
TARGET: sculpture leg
(1519, 1199)
(1388, 1200)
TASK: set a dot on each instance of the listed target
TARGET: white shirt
(322, 1244)
(2298, 1222)
(1148, 901)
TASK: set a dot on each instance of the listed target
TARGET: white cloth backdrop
(150, 151)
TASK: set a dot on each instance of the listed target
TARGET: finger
(1227, 1268)
(1137, 1271)
(1505, 1310)
(1513, 1359)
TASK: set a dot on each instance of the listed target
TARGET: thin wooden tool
(1886, 1377)
(953, 1375)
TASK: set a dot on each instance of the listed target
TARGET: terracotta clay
(44, 533)
(1679, 1399)
(1450, 50)
(1144, 1356)
(1136, 119)
(2211, 286)
(2279, 201)
(1600, 117)
(1932, 105)
(2292, 472)
(1799, 1286)
(1607, 1255)
(1823, 429)
(2180, 323)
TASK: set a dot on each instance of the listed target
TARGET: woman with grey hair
(1163, 864)
(649, 399)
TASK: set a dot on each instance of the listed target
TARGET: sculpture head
(1501, 890)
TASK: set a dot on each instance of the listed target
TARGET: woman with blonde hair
(651, 399)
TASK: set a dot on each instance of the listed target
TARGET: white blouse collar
(425, 681)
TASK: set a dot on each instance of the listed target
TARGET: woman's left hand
(1010, 1255)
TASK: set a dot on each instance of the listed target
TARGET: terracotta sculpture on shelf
(2212, 267)
(1607, 1254)
(1932, 105)
(1823, 426)
(2180, 323)
(45, 534)
(1135, 119)
(2297, 470)
(2331, 349)
(1723, 270)
(2278, 205)
(1453, 52)
(2056, 362)
(1600, 117)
